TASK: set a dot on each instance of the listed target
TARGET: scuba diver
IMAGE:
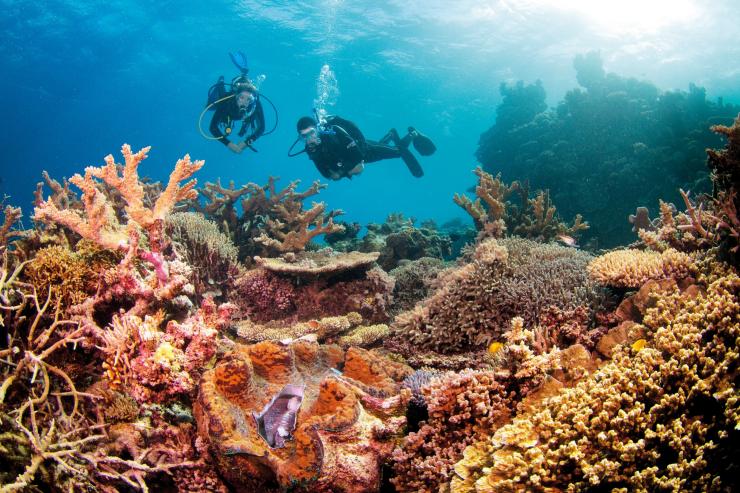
(241, 104)
(339, 150)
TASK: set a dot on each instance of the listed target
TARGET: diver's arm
(218, 116)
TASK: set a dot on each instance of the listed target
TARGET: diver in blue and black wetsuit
(339, 149)
(244, 107)
(240, 104)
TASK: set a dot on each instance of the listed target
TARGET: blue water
(80, 78)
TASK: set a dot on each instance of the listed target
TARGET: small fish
(568, 241)
(639, 344)
(495, 347)
(314, 324)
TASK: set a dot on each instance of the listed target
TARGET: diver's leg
(391, 136)
(376, 151)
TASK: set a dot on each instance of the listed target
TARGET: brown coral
(506, 278)
(342, 435)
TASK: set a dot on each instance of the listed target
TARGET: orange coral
(99, 223)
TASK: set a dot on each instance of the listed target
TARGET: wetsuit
(343, 147)
(228, 113)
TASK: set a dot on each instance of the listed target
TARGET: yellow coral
(641, 422)
(633, 268)
(364, 335)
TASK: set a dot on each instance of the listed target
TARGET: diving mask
(311, 136)
(246, 101)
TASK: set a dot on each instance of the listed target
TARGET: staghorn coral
(505, 278)
(99, 222)
(460, 407)
(494, 215)
(632, 268)
(342, 434)
(11, 215)
(272, 221)
(141, 238)
(658, 418)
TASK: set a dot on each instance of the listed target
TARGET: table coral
(343, 434)
(632, 268)
(658, 418)
(321, 284)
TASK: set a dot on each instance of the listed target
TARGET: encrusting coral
(661, 415)
(632, 268)
(342, 434)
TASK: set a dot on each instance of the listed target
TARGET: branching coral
(495, 215)
(633, 268)
(506, 278)
(272, 221)
(99, 223)
(659, 417)
(460, 406)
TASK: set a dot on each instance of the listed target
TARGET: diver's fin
(422, 143)
(240, 60)
(412, 164)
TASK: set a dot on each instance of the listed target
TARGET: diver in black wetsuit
(244, 107)
(339, 150)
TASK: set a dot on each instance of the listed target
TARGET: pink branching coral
(461, 406)
(99, 223)
(154, 365)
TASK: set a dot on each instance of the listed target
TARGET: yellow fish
(495, 347)
(639, 344)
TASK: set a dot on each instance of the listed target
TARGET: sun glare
(618, 17)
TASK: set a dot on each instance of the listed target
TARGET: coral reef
(324, 328)
(660, 416)
(494, 214)
(314, 285)
(633, 268)
(342, 433)
(211, 253)
(272, 221)
(414, 281)
(398, 239)
(608, 146)
(505, 278)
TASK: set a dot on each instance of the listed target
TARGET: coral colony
(165, 337)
